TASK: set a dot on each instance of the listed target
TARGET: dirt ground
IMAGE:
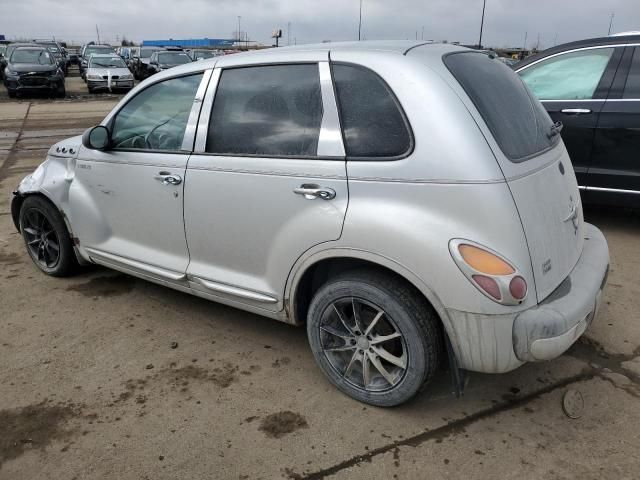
(106, 376)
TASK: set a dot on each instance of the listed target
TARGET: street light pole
(239, 17)
(360, 22)
(484, 4)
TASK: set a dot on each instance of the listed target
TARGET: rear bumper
(546, 331)
(500, 343)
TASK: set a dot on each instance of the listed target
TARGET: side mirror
(96, 138)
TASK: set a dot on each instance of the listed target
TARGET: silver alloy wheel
(363, 344)
(41, 237)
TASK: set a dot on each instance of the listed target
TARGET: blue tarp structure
(190, 42)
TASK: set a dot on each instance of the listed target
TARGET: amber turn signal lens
(484, 261)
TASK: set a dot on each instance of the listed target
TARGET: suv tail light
(495, 276)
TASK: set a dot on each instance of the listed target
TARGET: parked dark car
(140, 62)
(164, 60)
(58, 52)
(74, 56)
(201, 54)
(88, 50)
(593, 88)
(9, 50)
(33, 68)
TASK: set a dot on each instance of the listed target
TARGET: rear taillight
(492, 274)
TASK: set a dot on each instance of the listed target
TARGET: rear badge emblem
(561, 167)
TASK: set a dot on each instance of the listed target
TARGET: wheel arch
(312, 271)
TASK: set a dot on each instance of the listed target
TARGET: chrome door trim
(205, 112)
(190, 130)
(235, 291)
(330, 143)
(109, 259)
(610, 190)
(595, 47)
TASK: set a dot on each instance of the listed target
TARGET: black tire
(91, 90)
(11, 94)
(31, 210)
(404, 310)
(61, 92)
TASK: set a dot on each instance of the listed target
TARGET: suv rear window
(517, 120)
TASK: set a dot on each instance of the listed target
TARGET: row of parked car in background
(43, 64)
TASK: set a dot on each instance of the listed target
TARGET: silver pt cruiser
(400, 199)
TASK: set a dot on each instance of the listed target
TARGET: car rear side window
(632, 87)
(518, 122)
(373, 124)
(267, 110)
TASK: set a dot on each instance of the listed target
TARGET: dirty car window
(270, 110)
(371, 118)
(157, 117)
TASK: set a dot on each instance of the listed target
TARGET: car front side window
(156, 118)
(568, 76)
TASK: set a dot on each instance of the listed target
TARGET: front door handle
(311, 191)
(575, 111)
(168, 178)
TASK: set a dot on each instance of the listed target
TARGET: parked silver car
(108, 72)
(398, 198)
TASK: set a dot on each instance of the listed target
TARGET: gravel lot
(92, 384)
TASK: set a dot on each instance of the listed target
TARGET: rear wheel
(374, 337)
(46, 238)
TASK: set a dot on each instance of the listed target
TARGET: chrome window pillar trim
(205, 112)
(190, 130)
(330, 142)
(579, 49)
(610, 190)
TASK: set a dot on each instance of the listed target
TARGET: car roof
(586, 43)
(104, 55)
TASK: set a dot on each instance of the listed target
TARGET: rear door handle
(168, 178)
(311, 191)
(575, 111)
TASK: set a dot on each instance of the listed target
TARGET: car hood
(31, 67)
(105, 71)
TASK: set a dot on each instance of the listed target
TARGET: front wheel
(46, 237)
(374, 337)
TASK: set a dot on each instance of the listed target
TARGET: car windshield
(171, 58)
(31, 55)
(106, 62)
(91, 50)
(203, 54)
(147, 52)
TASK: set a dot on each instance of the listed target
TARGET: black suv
(59, 53)
(33, 68)
(140, 62)
(593, 88)
(164, 59)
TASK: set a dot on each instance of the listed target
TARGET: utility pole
(484, 4)
(98, 33)
(611, 22)
(360, 22)
(555, 39)
(422, 37)
(288, 33)
(239, 37)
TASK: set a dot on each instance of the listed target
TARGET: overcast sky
(506, 21)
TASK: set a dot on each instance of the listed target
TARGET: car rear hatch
(533, 160)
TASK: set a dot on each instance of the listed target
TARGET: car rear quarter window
(273, 110)
(372, 121)
(632, 87)
(516, 119)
